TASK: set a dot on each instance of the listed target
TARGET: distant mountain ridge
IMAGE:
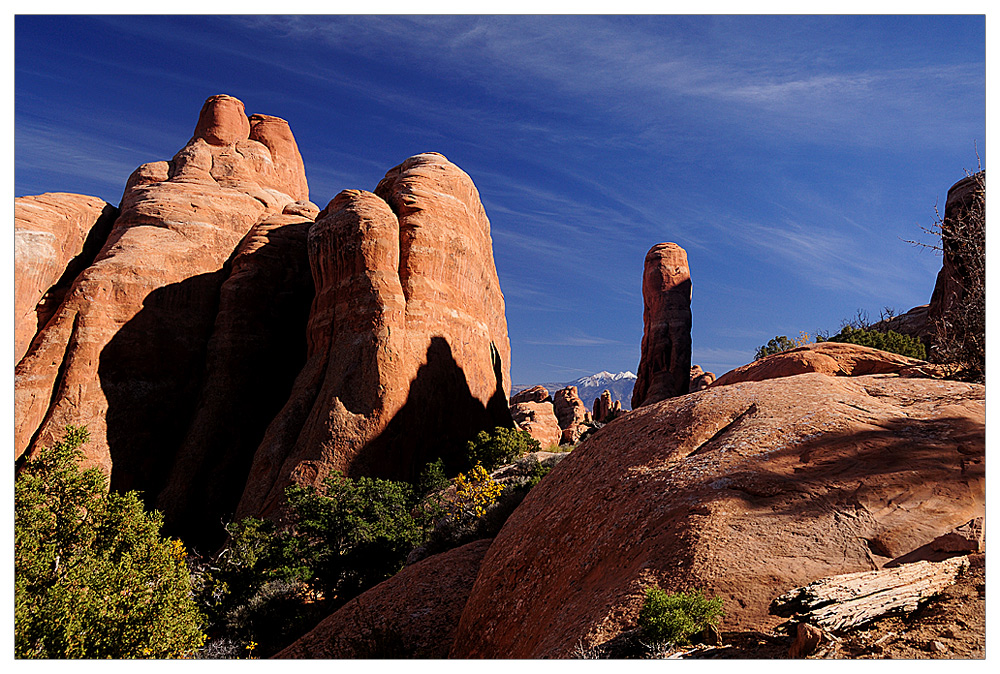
(590, 387)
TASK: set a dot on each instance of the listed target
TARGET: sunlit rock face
(408, 350)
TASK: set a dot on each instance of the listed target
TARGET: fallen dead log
(841, 602)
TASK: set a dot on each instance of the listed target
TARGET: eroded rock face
(257, 347)
(124, 351)
(665, 361)
(414, 614)
(746, 491)
(571, 413)
(408, 354)
(700, 379)
(56, 235)
(963, 196)
(539, 419)
(830, 358)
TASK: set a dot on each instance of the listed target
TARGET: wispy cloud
(578, 339)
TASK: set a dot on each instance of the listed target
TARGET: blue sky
(790, 156)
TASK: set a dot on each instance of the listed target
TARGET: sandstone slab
(833, 359)
(414, 614)
(743, 490)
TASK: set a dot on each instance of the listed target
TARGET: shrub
(675, 618)
(777, 345)
(353, 534)
(268, 586)
(474, 493)
(500, 447)
(890, 341)
(782, 343)
(93, 578)
(433, 478)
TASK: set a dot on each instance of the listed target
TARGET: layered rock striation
(56, 236)
(408, 354)
(665, 360)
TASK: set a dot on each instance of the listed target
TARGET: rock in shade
(603, 407)
(256, 349)
(56, 235)
(963, 198)
(665, 360)
(408, 354)
(743, 491)
(414, 614)
(124, 352)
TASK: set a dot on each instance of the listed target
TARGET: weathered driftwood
(852, 599)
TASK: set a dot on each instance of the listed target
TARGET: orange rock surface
(830, 358)
(745, 491)
(412, 615)
(408, 354)
(56, 235)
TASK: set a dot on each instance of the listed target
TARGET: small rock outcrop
(665, 360)
(745, 491)
(535, 394)
(408, 354)
(414, 614)
(571, 413)
(604, 407)
(123, 353)
(700, 379)
(830, 358)
(56, 236)
(539, 420)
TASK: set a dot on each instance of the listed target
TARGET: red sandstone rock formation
(408, 354)
(602, 407)
(700, 379)
(256, 349)
(830, 358)
(571, 413)
(123, 353)
(539, 420)
(56, 235)
(665, 361)
(416, 611)
(948, 289)
(746, 491)
(535, 394)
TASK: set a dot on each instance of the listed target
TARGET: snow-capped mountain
(589, 388)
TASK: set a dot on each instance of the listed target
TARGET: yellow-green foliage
(675, 618)
(475, 492)
(93, 578)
